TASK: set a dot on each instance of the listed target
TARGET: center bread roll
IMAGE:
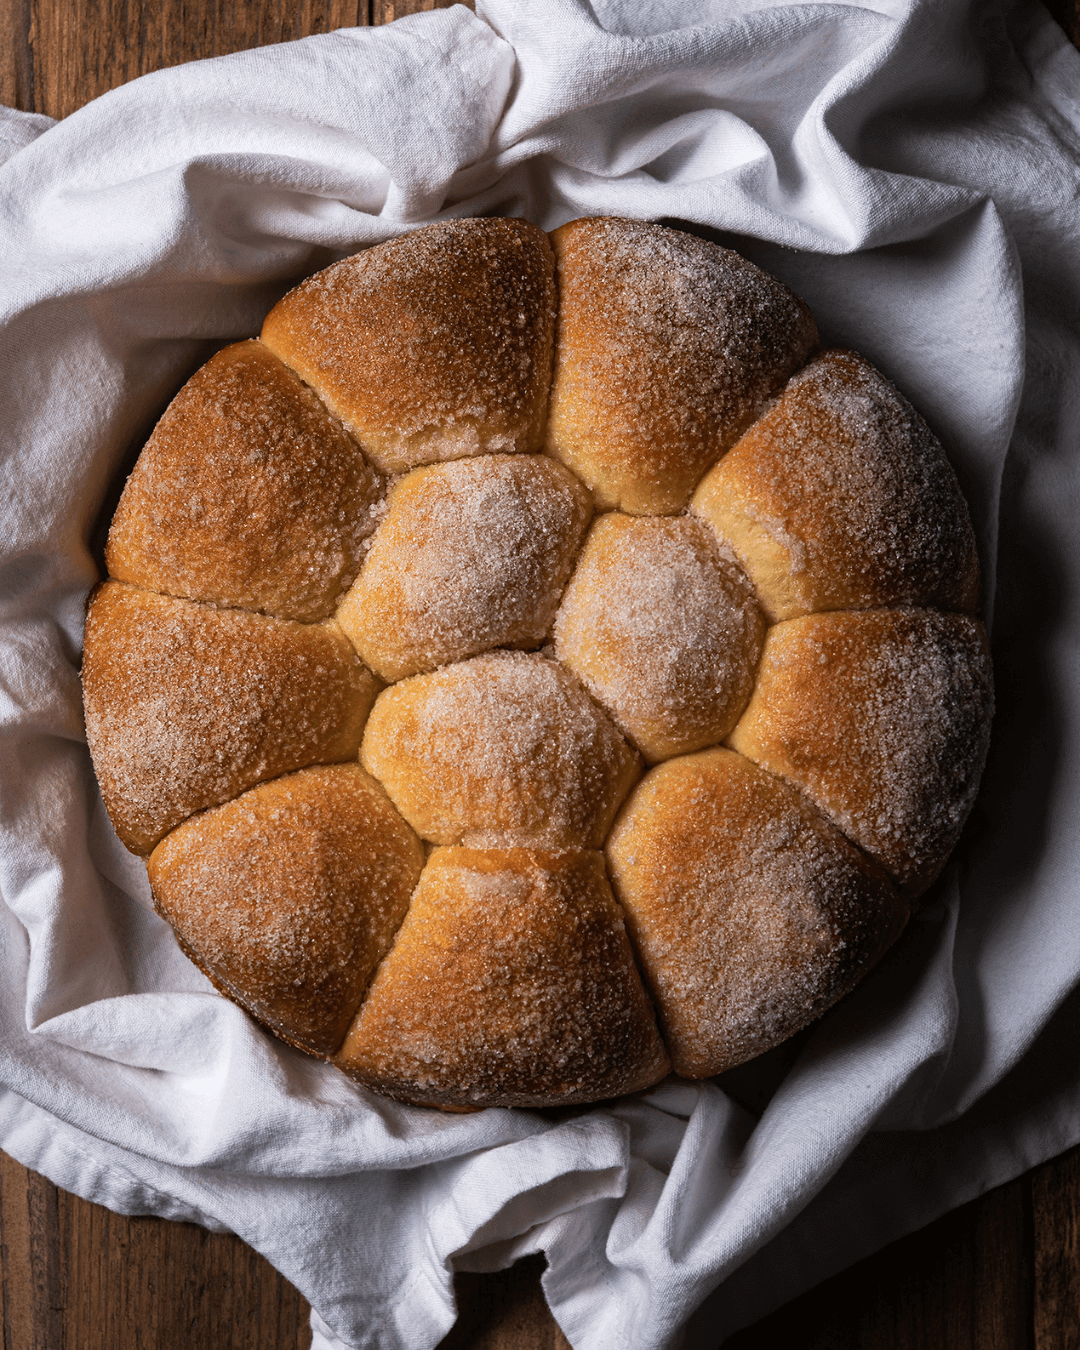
(663, 630)
(504, 749)
(471, 555)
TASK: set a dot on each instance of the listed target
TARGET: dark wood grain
(504, 1312)
(1067, 13)
(59, 54)
(1002, 1273)
(77, 1277)
(963, 1283)
(1055, 1207)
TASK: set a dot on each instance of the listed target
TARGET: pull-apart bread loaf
(533, 665)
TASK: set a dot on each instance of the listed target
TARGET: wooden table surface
(1002, 1273)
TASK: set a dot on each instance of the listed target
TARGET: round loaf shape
(777, 608)
(289, 896)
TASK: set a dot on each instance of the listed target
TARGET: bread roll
(667, 347)
(471, 555)
(663, 630)
(501, 750)
(510, 983)
(433, 346)
(883, 720)
(288, 897)
(750, 914)
(247, 494)
(530, 658)
(840, 497)
(187, 705)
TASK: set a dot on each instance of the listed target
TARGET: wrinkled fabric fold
(911, 170)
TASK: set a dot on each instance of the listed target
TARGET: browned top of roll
(662, 629)
(290, 895)
(841, 497)
(510, 983)
(501, 750)
(247, 494)
(470, 555)
(883, 719)
(187, 705)
(666, 347)
(750, 913)
(433, 346)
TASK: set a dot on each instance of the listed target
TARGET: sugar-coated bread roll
(471, 555)
(510, 983)
(397, 483)
(663, 630)
(501, 750)
(247, 494)
(187, 705)
(840, 497)
(667, 347)
(433, 346)
(750, 913)
(288, 896)
(883, 719)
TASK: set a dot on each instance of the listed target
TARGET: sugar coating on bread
(247, 494)
(666, 347)
(883, 719)
(289, 896)
(510, 983)
(188, 705)
(663, 630)
(757, 892)
(750, 914)
(840, 497)
(429, 347)
(502, 750)
(470, 555)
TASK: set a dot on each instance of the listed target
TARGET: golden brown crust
(470, 555)
(511, 980)
(247, 494)
(501, 750)
(663, 631)
(290, 895)
(840, 497)
(510, 983)
(666, 347)
(749, 913)
(429, 347)
(883, 719)
(187, 705)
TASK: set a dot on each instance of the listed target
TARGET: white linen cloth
(911, 169)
